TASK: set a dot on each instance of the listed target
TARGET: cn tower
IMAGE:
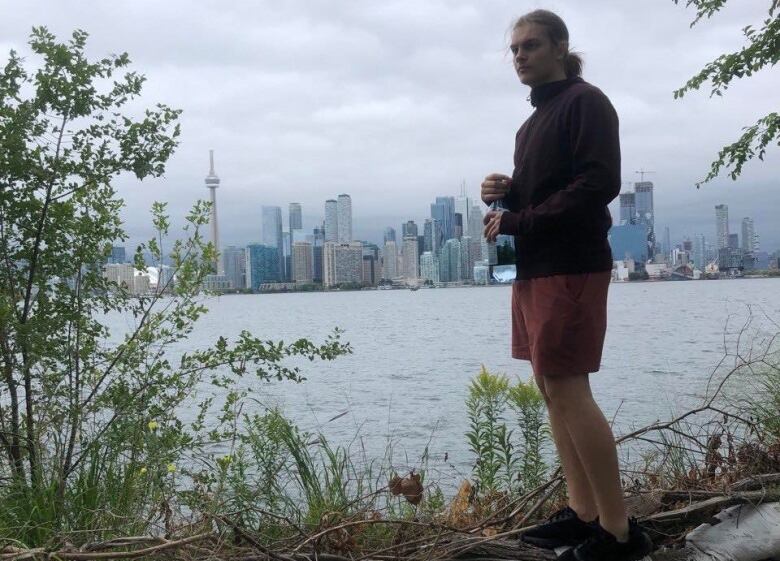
(212, 182)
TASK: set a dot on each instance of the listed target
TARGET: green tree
(90, 423)
(762, 50)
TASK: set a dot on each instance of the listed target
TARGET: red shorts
(559, 322)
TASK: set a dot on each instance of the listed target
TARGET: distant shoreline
(492, 285)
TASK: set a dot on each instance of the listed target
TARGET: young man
(567, 169)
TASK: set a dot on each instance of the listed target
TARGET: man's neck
(557, 77)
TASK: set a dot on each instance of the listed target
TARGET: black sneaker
(603, 546)
(561, 529)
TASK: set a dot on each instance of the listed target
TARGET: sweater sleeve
(595, 149)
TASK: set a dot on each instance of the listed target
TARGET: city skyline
(398, 114)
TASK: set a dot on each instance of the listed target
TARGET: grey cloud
(399, 101)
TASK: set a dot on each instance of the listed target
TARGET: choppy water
(415, 353)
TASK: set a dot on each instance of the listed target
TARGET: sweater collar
(542, 93)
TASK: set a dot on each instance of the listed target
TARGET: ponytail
(572, 64)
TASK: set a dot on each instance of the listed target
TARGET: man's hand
(492, 221)
(495, 186)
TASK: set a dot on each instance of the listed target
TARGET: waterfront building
(344, 205)
(303, 262)
(118, 255)
(722, 226)
(234, 265)
(411, 258)
(331, 220)
(429, 267)
(263, 265)
(450, 261)
(123, 274)
(699, 252)
(272, 233)
(629, 241)
(390, 261)
(318, 243)
(370, 270)
(627, 208)
(342, 263)
(749, 238)
(468, 258)
(433, 235)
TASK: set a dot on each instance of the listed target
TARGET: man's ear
(563, 48)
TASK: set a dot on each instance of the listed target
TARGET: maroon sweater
(567, 169)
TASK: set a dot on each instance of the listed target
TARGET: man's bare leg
(571, 399)
(581, 498)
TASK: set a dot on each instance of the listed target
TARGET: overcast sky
(396, 102)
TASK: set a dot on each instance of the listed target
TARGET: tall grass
(507, 460)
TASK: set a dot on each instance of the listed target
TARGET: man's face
(535, 58)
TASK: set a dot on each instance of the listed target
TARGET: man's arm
(595, 144)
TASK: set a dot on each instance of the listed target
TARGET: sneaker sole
(636, 556)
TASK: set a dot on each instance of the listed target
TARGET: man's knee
(542, 387)
(564, 391)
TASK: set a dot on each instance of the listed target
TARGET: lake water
(416, 352)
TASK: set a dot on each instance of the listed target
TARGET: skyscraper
(319, 243)
(234, 265)
(443, 210)
(409, 228)
(699, 252)
(272, 233)
(118, 254)
(295, 217)
(463, 207)
(411, 258)
(302, 262)
(467, 258)
(667, 244)
(644, 203)
(263, 265)
(389, 235)
(450, 261)
(722, 225)
(370, 265)
(457, 226)
(344, 218)
(432, 235)
(331, 221)
(390, 260)
(733, 241)
(749, 240)
(342, 263)
(429, 267)
(627, 208)
(212, 182)
(475, 227)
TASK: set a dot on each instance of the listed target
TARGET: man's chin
(526, 80)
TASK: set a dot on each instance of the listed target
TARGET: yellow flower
(152, 425)
(142, 471)
(225, 460)
(171, 468)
